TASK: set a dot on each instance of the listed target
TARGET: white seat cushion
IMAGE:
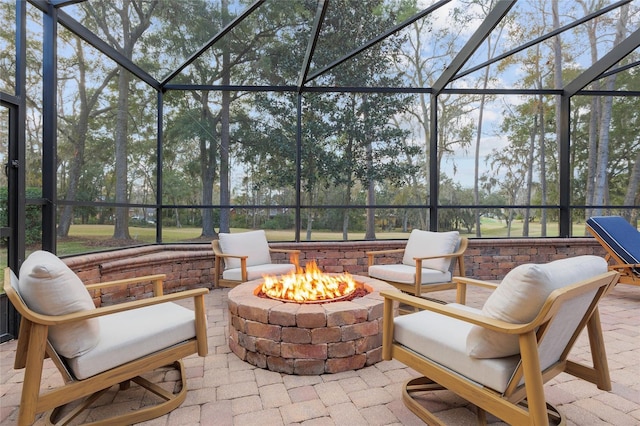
(129, 335)
(256, 272)
(253, 244)
(520, 296)
(407, 274)
(427, 243)
(443, 339)
(49, 287)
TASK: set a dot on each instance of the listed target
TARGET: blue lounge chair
(622, 243)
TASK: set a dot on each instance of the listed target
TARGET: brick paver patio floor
(226, 391)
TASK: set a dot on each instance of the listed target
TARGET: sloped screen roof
(298, 43)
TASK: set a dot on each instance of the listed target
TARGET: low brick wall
(186, 267)
(485, 259)
(191, 265)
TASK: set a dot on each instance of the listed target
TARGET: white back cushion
(49, 287)
(520, 296)
(253, 244)
(427, 243)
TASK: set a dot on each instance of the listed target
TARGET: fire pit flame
(308, 285)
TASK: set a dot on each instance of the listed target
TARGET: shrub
(33, 216)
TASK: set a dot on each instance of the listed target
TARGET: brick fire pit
(307, 339)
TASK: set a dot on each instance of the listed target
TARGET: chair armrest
(457, 253)
(617, 266)
(372, 254)
(284, 251)
(112, 309)
(235, 256)
(453, 312)
(377, 252)
(439, 256)
(475, 282)
(157, 280)
(464, 282)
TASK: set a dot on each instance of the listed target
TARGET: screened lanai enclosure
(136, 121)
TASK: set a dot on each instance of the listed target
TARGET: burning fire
(308, 285)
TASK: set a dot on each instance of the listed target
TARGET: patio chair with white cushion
(246, 256)
(97, 348)
(429, 262)
(499, 357)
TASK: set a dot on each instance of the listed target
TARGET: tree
(133, 18)
(367, 140)
(602, 163)
(350, 140)
(429, 47)
(75, 126)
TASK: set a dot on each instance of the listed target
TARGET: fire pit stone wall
(307, 339)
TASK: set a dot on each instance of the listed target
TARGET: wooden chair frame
(616, 263)
(219, 263)
(507, 406)
(417, 289)
(33, 347)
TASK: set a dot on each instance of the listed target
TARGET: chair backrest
(559, 297)
(522, 295)
(427, 243)
(616, 234)
(48, 286)
(563, 318)
(253, 244)
(461, 247)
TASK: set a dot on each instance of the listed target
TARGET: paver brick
(302, 411)
(331, 393)
(274, 395)
(369, 397)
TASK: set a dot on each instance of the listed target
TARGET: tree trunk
(476, 162)
(601, 190)
(129, 38)
(632, 190)
(207, 170)
(370, 231)
(225, 194)
(79, 139)
(121, 230)
(543, 164)
(593, 119)
(532, 147)
(557, 83)
(309, 224)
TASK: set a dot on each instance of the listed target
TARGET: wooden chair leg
(52, 417)
(420, 385)
(482, 416)
(32, 374)
(533, 379)
(170, 402)
(598, 353)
